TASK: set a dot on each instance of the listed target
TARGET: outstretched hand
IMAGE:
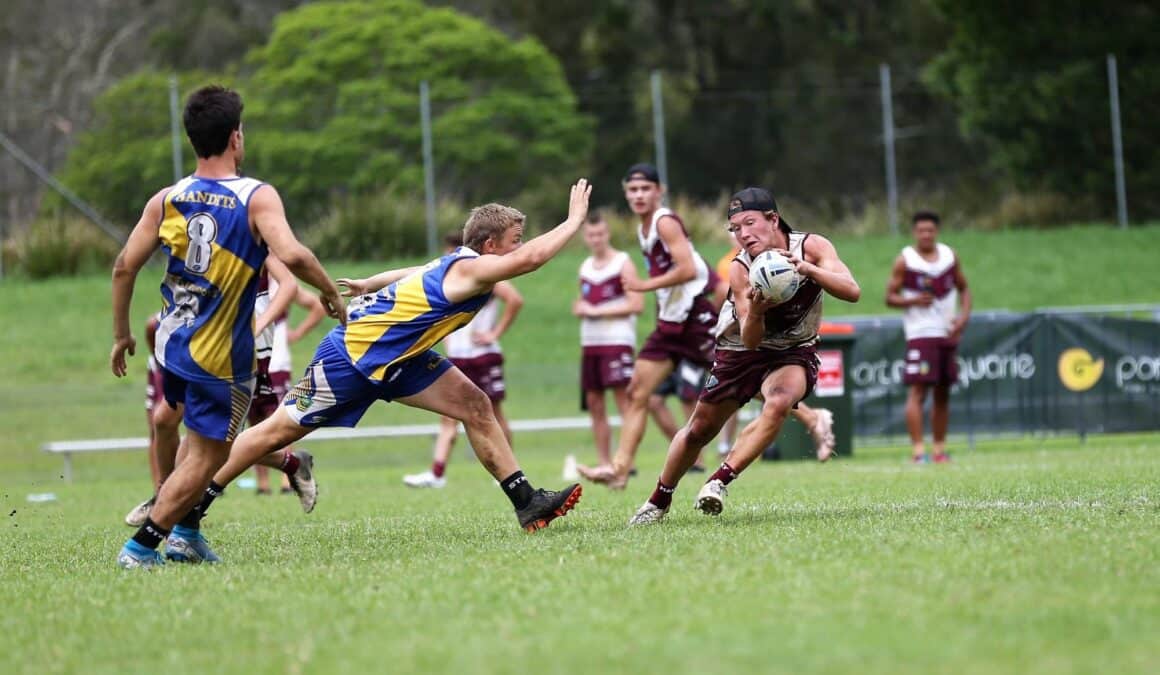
(578, 201)
(353, 287)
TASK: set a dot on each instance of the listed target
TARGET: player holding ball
(763, 348)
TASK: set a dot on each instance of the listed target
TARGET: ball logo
(1079, 370)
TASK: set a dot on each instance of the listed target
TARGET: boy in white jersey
(475, 350)
(762, 349)
(685, 313)
(927, 283)
(607, 312)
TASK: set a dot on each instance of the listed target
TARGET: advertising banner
(1020, 373)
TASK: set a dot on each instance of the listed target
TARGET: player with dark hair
(215, 227)
(685, 313)
(762, 349)
(384, 352)
(927, 283)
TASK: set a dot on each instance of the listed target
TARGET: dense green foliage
(333, 110)
(1033, 83)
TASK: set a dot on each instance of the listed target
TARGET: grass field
(1023, 556)
(1026, 558)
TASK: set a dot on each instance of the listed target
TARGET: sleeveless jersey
(936, 278)
(206, 331)
(598, 286)
(404, 319)
(675, 302)
(459, 344)
(793, 323)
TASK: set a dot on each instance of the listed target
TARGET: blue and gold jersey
(404, 319)
(206, 331)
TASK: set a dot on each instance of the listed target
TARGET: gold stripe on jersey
(173, 228)
(212, 344)
(410, 302)
(430, 337)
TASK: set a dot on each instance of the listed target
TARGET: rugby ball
(774, 277)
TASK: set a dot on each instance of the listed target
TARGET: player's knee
(477, 409)
(778, 405)
(699, 432)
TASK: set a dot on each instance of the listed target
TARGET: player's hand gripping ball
(774, 277)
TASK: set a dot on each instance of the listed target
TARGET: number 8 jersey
(206, 331)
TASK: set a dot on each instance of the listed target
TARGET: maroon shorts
(486, 372)
(690, 341)
(269, 388)
(737, 375)
(605, 367)
(931, 361)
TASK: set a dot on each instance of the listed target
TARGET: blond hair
(489, 221)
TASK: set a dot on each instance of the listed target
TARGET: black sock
(192, 520)
(151, 534)
(518, 489)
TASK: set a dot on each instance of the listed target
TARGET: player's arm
(827, 269)
(630, 305)
(280, 303)
(315, 312)
(269, 218)
(964, 315)
(377, 282)
(512, 303)
(749, 306)
(894, 296)
(473, 276)
(143, 240)
(683, 269)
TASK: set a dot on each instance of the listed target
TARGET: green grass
(57, 333)
(1025, 556)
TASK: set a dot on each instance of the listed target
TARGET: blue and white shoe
(188, 546)
(134, 555)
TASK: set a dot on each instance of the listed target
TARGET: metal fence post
(1117, 142)
(175, 128)
(428, 164)
(658, 106)
(888, 146)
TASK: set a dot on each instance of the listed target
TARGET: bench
(66, 449)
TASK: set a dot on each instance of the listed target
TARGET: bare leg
(727, 435)
(601, 429)
(703, 426)
(659, 411)
(781, 389)
(256, 444)
(263, 475)
(445, 440)
(914, 400)
(166, 438)
(688, 407)
(184, 488)
(455, 396)
(646, 376)
(497, 410)
(940, 418)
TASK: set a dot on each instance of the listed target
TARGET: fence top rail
(881, 319)
(547, 424)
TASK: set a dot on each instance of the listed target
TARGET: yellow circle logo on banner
(1078, 370)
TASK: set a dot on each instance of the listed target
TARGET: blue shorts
(213, 409)
(333, 393)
